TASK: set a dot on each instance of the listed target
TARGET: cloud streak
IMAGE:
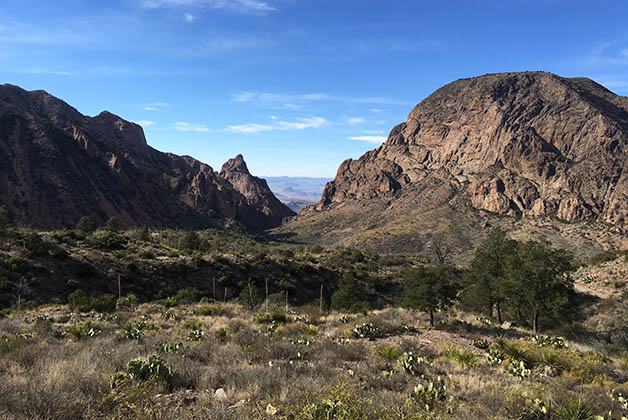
(145, 123)
(269, 98)
(155, 106)
(236, 5)
(298, 124)
(370, 139)
(187, 127)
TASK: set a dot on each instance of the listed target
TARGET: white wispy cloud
(269, 98)
(302, 123)
(155, 106)
(46, 72)
(370, 139)
(217, 44)
(297, 124)
(356, 120)
(249, 128)
(236, 5)
(189, 17)
(145, 123)
(189, 127)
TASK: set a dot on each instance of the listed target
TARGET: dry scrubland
(167, 350)
(224, 361)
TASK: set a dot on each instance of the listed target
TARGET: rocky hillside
(57, 165)
(532, 146)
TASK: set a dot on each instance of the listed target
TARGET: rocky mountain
(57, 165)
(529, 147)
(255, 190)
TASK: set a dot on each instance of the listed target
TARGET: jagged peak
(236, 164)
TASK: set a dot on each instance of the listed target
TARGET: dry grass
(295, 367)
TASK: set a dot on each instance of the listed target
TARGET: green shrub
(366, 330)
(135, 330)
(78, 301)
(194, 324)
(105, 303)
(143, 369)
(210, 310)
(544, 340)
(268, 317)
(85, 329)
(388, 352)
(107, 240)
(11, 342)
(518, 369)
(463, 357)
(433, 396)
(337, 403)
(164, 348)
(481, 344)
(410, 363)
(573, 410)
(195, 335)
(130, 301)
(86, 225)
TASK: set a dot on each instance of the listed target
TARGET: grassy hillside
(175, 345)
(224, 361)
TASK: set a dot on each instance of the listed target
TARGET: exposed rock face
(529, 144)
(57, 165)
(255, 190)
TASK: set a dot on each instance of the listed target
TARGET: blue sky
(296, 86)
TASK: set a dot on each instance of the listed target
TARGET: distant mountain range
(57, 165)
(297, 192)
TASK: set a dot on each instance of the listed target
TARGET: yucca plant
(574, 410)
(463, 357)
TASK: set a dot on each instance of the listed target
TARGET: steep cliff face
(528, 144)
(543, 157)
(255, 190)
(57, 165)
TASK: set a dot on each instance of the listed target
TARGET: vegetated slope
(57, 165)
(531, 151)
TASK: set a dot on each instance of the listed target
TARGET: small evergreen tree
(539, 280)
(429, 289)
(86, 225)
(349, 292)
(144, 234)
(191, 241)
(113, 224)
(485, 280)
(4, 219)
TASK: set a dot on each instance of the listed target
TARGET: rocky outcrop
(255, 190)
(57, 165)
(526, 144)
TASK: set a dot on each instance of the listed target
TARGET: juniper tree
(539, 280)
(4, 219)
(485, 280)
(86, 225)
(429, 289)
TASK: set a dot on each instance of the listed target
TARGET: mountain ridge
(517, 145)
(59, 165)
